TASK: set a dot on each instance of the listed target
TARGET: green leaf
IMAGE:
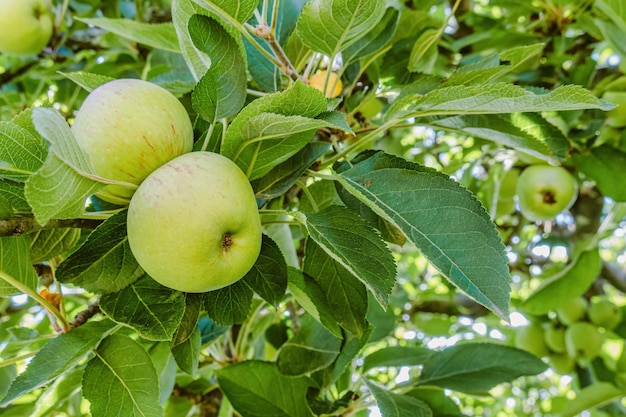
(444, 220)
(197, 61)
(12, 199)
(600, 164)
(56, 190)
(592, 396)
(283, 176)
(425, 51)
(46, 244)
(311, 297)
(16, 264)
(221, 92)
(88, 80)
(156, 35)
(311, 349)
(153, 310)
(478, 367)
(121, 380)
(240, 10)
(396, 356)
(187, 353)
(336, 229)
(229, 305)
(268, 276)
(493, 98)
(189, 322)
(258, 389)
(60, 392)
(343, 294)
(330, 26)
(375, 39)
(396, 405)
(104, 263)
(527, 132)
(437, 400)
(21, 152)
(53, 127)
(568, 284)
(165, 367)
(59, 355)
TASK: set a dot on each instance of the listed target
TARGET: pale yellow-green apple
(193, 224)
(603, 312)
(334, 86)
(573, 311)
(25, 26)
(530, 338)
(129, 128)
(562, 363)
(583, 340)
(554, 337)
(543, 191)
(617, 116)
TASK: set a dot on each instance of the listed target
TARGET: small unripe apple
(573, 311)
(563, 364)
(603, 312)
(193, 224)
(530, 338)
(25, 26)
(334, 86)
(583, 340)
(554, 336)
(129, 128)
(617, 116)
(543, 191)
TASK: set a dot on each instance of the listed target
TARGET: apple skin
(617, 116)
(554, 337)
(25, 26)
(583, 340)
(573, 311)
(334, 87)
(129, 128)
(531, 339)
(543, 191)
(603, 312)
(193, 224)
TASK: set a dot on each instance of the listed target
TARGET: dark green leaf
(446, 222)
(258, 389)
(15, 264)
(156, 35)
(311, 297)
(437, 400)
(268, 276)
(330, 26)
(121, 380)
(229, 305)
(375, 39)
(311, 349)
(189, 322)
(396, 405)
(104, 263)
(221, 92)
(351, 242)
(21, 152)
(58, 356)
(600, 164)
(187, 353)
(153, 310)
(344, 294)
(478, 367)
(397, 356)
(46, 244)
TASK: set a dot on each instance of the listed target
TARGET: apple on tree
(25, 26)
(543, 191)
(129, 128)
(334, 86)
(193, 224)
(603, 312)
(583, 340)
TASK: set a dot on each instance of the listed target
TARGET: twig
(82, 317)
(15, 226)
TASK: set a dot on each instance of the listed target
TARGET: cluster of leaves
(307, 330)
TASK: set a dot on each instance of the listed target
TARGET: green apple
(543, 191)
(530, 338)
(573, 311)
(583, 340)
(603, 312)
(193, 224)
(25, 26)
(563, 364)
(129, 128)
(554, 337)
